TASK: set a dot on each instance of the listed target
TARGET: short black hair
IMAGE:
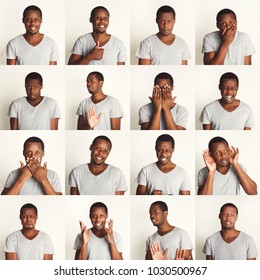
(165, 138)
(163, 206)
(34, 76)
(165, 9)
(224, 12)
(229, 76)
(93, 12)
(27, 206)
(229, 204)
(215, 140)
(98, 75)
(32, 8)
(164, 76)
(33, 139)
(102, 137)
(98, 205)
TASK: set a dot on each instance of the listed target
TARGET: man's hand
(209, 161)
(168, 102)
(157, 253)
(84, 233)
(93, 119)
(180, 254)
(156, 192)
(228, 33)
(38, 172)
(97, 52)
(109, 231)
(25, 171)
(233, 155)
(156, 98)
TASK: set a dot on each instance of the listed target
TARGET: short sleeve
(48, 246)
(80, 110)
(143, 51)
(9, 52)
(12, 111)
(144, 115)
(78, 47)
(54, 55)
(55, 110)
(207, 44)
(141, 178)
(116, 110)
(201, 177)
(120, 181)
(204, 117)
(55, 181)
(10, 244)
(78, 242)
(182, 116)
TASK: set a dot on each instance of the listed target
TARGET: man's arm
(74, 191)
(93, 120)
(115, 123)
(11, 61)
(207, 126)
(209, 257)
(115, 255)
(81, 254)
(119, 192)
(144, 61)
(148, 255)
(54, 124)
(247, 128)
(141, 190)
(47, 257)
(248, 60)
(81, 124)
(10, 256)
(53, 63)
(184, 192)
(121, 63)
(14, 123)
(184, 62)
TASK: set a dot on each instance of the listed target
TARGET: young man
(32, 48)
(99, 242)
(32, 178)
(227, 46)
(28, 243)
(162, 113)
(164, 47)
(229, 243)
(223, 175)
(227, 113)
(97, 177)
(34, 112)
(168, 242)
(98, 47)
(163, 177)
(100, 111)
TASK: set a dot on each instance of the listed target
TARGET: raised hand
(93, 119)
(97, 52)
(156, 98)
(180, 254)
(109, 231)
(156, 192)
(38, 172)
(209, 161)
(25, 171)
(228, 33)
(168, 102)
(233, 155)
(84, 233)
(157, 253)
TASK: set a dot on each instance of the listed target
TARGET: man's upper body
(163, 48)
(99, 242)
(227, 46)
(32, 48)
(32, 178)
(28, 243)
(223, 174)
(168, 238)
(163, 112)
(98, 47)
(227, 112)
(100, 111)
(229, 243)
(97, 177)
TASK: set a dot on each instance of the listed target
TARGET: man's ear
(90, 147)
(90, 20)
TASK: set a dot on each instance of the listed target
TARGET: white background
(116, 84)
(77, 21)
(12, 86)
(53, 14)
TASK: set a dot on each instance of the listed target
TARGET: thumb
(99, 116)
(22, 164)
(150, 98)
(174, 98)
(45, 165)
(97, 45)
(165, 253)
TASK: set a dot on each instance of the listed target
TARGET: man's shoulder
(148, 106)
(213, 34)
(14, 234)
(16, 39)
(79, 168)
(113, 168)
(212, 104)
(84, 37)
(116, 39)
(19, 100)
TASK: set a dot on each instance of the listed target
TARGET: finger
(165, 253)
(22, 164)
(45, 165)
(99, 116)
(97, 45)
(174, 98)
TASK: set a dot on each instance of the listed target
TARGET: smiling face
(28, 218)
(100, 21)
(220, 153)
(164, 152)
(33, 150)
(228, 89)
(165, 22)
(32, 22)
(98, 217)
(99, 151)
(228, 217)
(157, 216)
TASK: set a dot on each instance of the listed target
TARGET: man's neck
(165, 228)
(30, 234)
(229, 235)
(165, 168)
(97, 169)
(99, 233)
(98, 97)
(223, 169)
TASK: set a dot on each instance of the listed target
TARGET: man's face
(228, 217)
(164, 152)
(226, 21)
(33, 89)
(28, 218)
(228, 89)
(98, 218)
(93, 84)
(220, 153)
(99, 151)
(164, 82)
(157, 216)
(32, 22)
(33, 151)
(100, 21)
(165, 23)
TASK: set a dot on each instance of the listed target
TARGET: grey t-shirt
(98, 248)
(109, 107)
(242, 248)
(223, 184)
(176, 239)
(221, 119)
(31, 186)
(106, 183)
(179, 114)
(34, 117)
(169, 183)
(29, 249)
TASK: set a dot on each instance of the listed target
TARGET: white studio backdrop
(116, 84)
(53, 22)
(77, 21)
(12, 86)
(51, 220)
